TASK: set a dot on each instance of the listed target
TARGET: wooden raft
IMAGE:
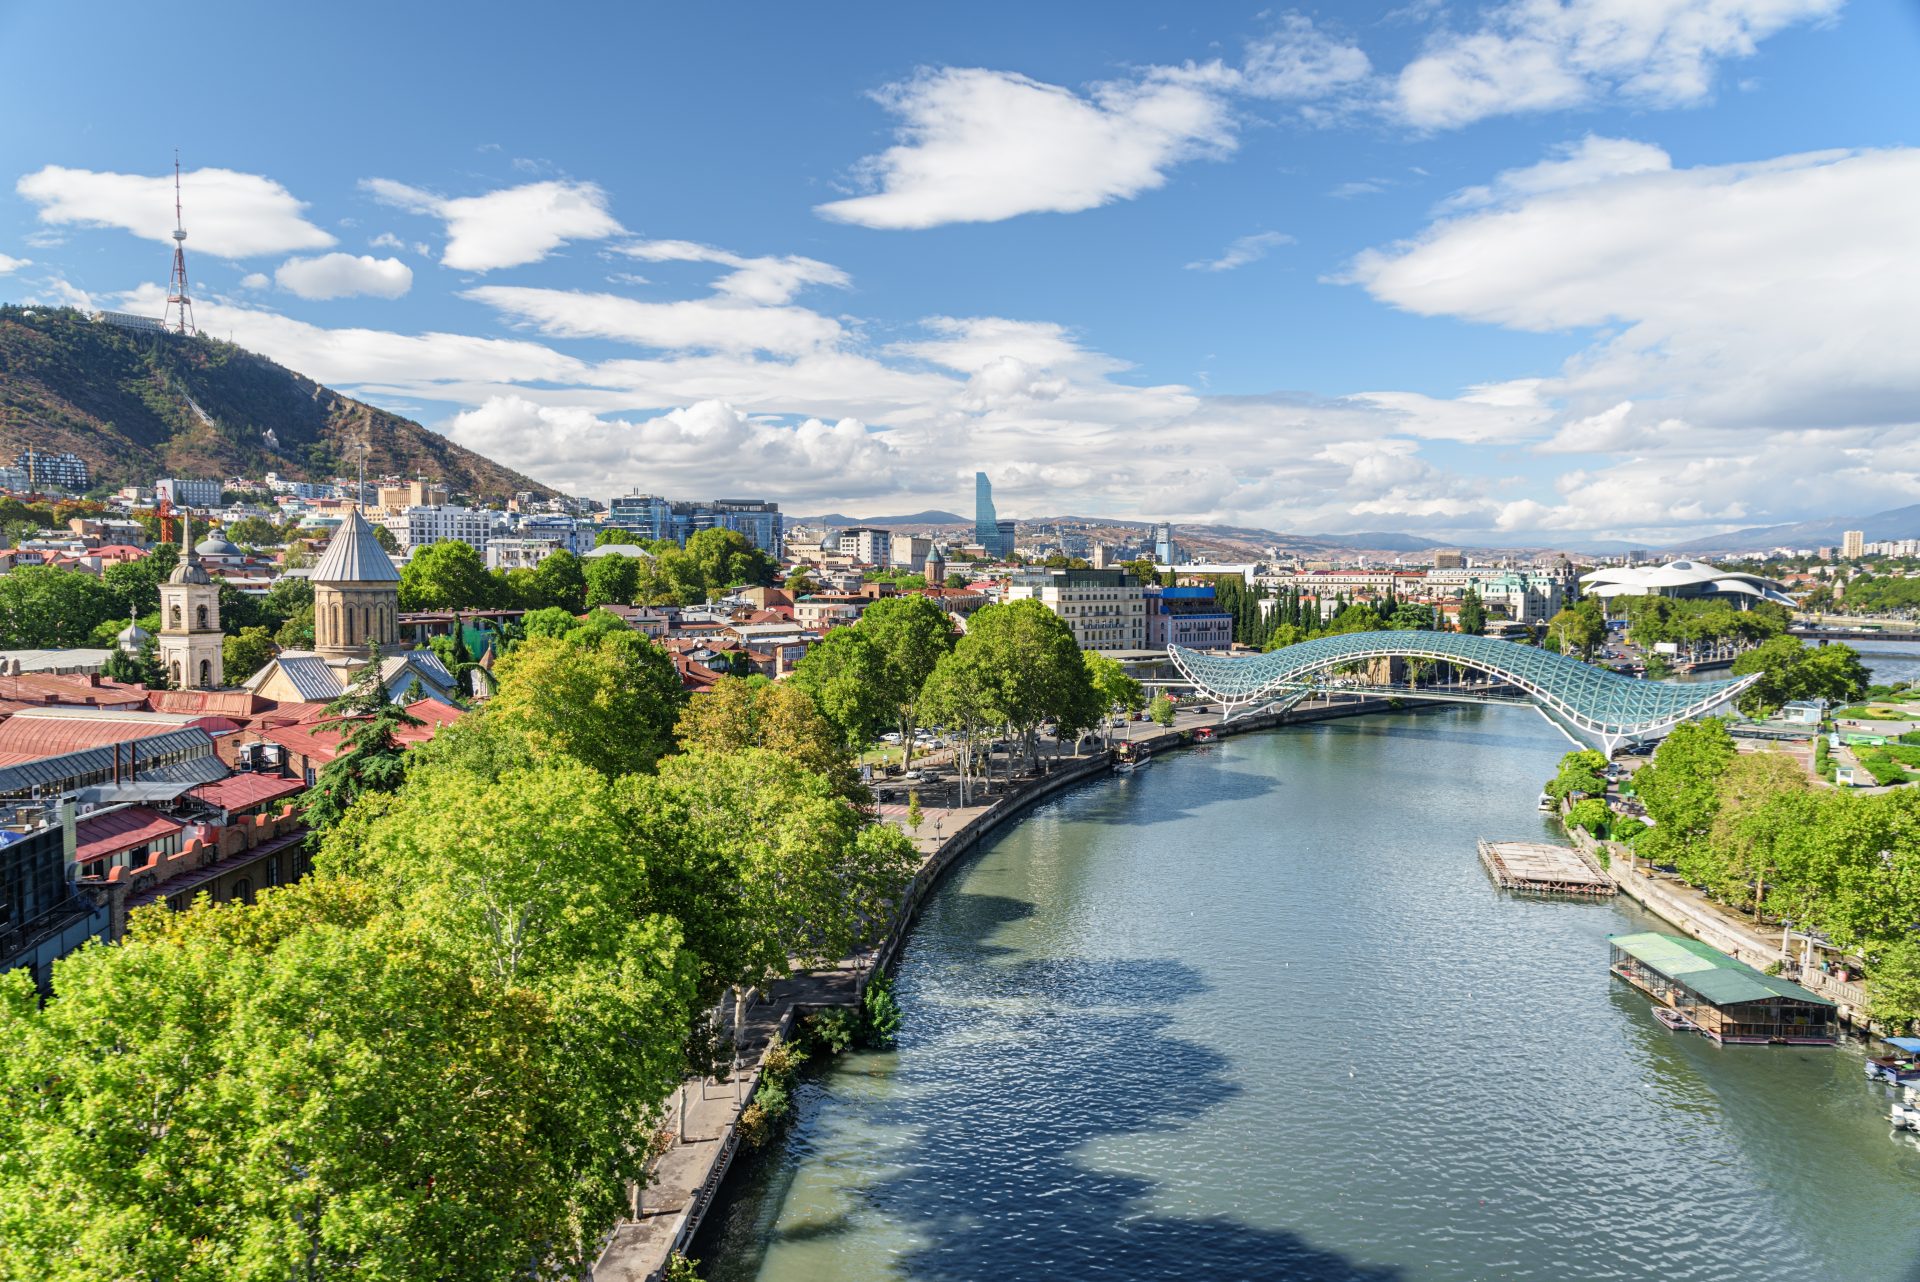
(1536, 868)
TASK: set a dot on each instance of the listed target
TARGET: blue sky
(1530, 272)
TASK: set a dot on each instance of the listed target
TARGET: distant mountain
(1376, 541)
(137, 406)
(839, 520)
(1895, 523)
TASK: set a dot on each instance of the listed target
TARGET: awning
(1911, 1045)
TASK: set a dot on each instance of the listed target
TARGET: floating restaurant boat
(1904, 1067)
(1727, 1000)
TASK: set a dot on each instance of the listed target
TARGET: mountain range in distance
(1894, 523)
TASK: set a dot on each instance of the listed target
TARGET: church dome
(215, 544)
(354, 555)
(133, 638)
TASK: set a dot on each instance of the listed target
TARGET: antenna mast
(177, 297)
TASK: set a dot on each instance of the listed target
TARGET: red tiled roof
(319, 739)
(215, 725)
(51, 687)
(120, 830)
(237, 792)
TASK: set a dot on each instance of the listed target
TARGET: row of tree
(454, 576)
(1764, 838)
(1016, 669)
(444, 1054)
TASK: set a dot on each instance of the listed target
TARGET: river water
(1257, 1012)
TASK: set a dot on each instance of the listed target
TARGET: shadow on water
(1224, 786)
(1002, 1082)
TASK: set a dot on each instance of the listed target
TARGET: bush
(835, 1029)
(1627, 828)
(1591, 814)
(882, 1023)
(681, 1269)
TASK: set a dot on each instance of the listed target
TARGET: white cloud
(1779, 293)
(228, 214)
(1244, 250)
(1571, 164)
(13, 264)
(386, 240)
(1538, 55)
(255, 280)
(1494, 412)
(768, 281)
(509, 227)
(1298, 60)
(344, 275)
(703, 448)
(714, 324)
(976, 145)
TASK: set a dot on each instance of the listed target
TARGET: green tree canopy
(448, 576)
(608, 699)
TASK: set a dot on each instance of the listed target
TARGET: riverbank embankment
(705, 1113)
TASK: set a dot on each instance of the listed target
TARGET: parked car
(891, 736)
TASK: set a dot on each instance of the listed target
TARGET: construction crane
(164, 510)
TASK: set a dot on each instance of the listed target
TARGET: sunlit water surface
(1258, 1012)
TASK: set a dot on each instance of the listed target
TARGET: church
(356, 621)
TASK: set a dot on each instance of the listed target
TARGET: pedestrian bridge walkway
(1590, 705)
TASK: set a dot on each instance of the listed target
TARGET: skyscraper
(989, 531)
(1853, 543)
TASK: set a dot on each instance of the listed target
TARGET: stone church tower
(356, 594)
(189, 644)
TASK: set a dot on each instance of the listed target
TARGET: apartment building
(1107, 609)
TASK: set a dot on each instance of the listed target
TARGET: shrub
(1627, 828)
(882, 1023)
(681, 1269)
(835, 1029)
(1591, 814)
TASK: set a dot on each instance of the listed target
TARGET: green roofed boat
(1725, 999)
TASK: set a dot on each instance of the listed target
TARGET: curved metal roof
(1592, 699)
(353, 555)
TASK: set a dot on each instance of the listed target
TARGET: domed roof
(133, 636)
(216, 544)
(354, 555)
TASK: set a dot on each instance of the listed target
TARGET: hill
(1895, 523)
(138, 406)
(838, 520)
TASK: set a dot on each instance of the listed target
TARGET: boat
(1905, 1117)
(1673, 1021)
(1123, 767)
(1205, 734)
(1896, 1069)
(1142, 761)
(1546, 802)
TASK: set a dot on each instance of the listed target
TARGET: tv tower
(177, 286)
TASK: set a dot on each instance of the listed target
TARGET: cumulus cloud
(228, 214)
(716, 324)
(1298, 60)
(1777, 293)
(767, 280)
(509, 227)
(344, 275)
(1538, 55)
(8, 264)
(1512, 411)
(1571, 164)
(255, 280)
(703, 448)
(976, 145)
(1244, 250)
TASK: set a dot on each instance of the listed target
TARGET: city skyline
(1618, 276)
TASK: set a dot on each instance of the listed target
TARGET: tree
(45, 608)
(558, 581)
(727, 558)
(369, 759)
(384, 537)
(1680, 788)
(737, 713)
(253, 531)
(1790, 670)
(606, 699)
(1578, 629)
(845, 675)
(1034, 670)
(611, 580)
(910, 634)
(613, 534)
(447, 576)
(960, 696)
(1473, 613)
(136, 584)
(956, 580)
(1580, 772)
(1116, 691)
(135, 669)
(1408, 617)
(1161, 710)
(246, 652)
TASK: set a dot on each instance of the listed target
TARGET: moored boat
(1673, 1021)
(1896, 1069)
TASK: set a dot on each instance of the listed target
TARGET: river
(1257, 1012)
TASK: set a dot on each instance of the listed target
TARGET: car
(891, 736)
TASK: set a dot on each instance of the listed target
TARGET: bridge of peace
(1592, 706)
